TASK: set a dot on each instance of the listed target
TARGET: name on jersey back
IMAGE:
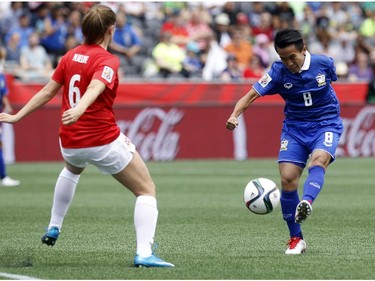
(80, 58)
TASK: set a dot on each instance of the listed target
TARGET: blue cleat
(151, 261)
(51, 236)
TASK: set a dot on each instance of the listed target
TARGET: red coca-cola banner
(169, 121)
(191, 132)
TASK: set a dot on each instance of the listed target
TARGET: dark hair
(287, 37)
(96, 22)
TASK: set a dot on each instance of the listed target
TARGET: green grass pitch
(204, 227)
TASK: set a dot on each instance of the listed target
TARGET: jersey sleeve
(107, 71)
(58, 74)
(332, 68)
(267, 85)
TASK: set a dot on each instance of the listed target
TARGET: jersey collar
(306, 63)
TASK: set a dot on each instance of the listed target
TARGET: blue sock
(2, 165)
(313, 184)
(289, 201)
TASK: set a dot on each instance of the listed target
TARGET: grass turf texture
(204, 227)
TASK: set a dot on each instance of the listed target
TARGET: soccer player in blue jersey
(5, 106)
(311, 128)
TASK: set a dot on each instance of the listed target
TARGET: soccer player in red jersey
(89, 133)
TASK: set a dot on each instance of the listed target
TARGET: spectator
(255, 69)
(306, 24)
(242, 23)
(35, 64)
(38, 17)
(10, 18)
(55, 32)
(74, 25)
(346, 48)
(192, 63)
(221, 29)
(229, 8)
(13, 50)
(198, 29)
(176, 26)
(214, 59)
(240, 48)
(232, 73)
(256, 13)
(283, 16)
(265, 26)
(325, 45)
(23, 29)
(337, 13)
(367, 28)
(169, 57)
(262, 49)
(136, 13)
(360, 69)
(126, 42)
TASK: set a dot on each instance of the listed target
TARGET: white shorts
(109, 159)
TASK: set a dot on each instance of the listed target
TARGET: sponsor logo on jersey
(321, 78)
(288, 85)
(284, 145)
(265, 80)
(107, 73)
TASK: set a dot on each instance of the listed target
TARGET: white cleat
(296, 246)
(7, 181)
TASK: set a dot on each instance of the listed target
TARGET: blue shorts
(298, 142)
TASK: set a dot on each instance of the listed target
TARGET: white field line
(17, 277)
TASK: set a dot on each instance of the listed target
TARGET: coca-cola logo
(152, 133)
(358, 138)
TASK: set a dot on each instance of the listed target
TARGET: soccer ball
(261, 196)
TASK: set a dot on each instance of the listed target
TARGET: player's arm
(38, 100)
(71, 115)
(240, 107)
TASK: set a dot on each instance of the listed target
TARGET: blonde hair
(96, 23)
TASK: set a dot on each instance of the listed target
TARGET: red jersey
(97, 126)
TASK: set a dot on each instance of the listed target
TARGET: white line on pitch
(17, 277)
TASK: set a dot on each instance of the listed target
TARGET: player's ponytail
(96, 22)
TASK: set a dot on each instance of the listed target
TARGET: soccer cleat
(51, 236)
(303, 210)
(7, 181)
(296, 246)
(151, 261)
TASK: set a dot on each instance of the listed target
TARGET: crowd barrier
(169, 121)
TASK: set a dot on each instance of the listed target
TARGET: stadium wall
(187, 121)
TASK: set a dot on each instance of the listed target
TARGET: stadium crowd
(208, 41)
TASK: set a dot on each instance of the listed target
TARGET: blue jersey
(3, 89)
(308, 95)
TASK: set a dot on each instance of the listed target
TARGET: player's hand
(70, 116)
(8, 118)
(232, 123)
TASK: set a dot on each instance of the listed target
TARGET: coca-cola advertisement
(191, 132)
(358, 139)
(168, 121)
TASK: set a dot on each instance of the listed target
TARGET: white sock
(145, 218)
(64, 192)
